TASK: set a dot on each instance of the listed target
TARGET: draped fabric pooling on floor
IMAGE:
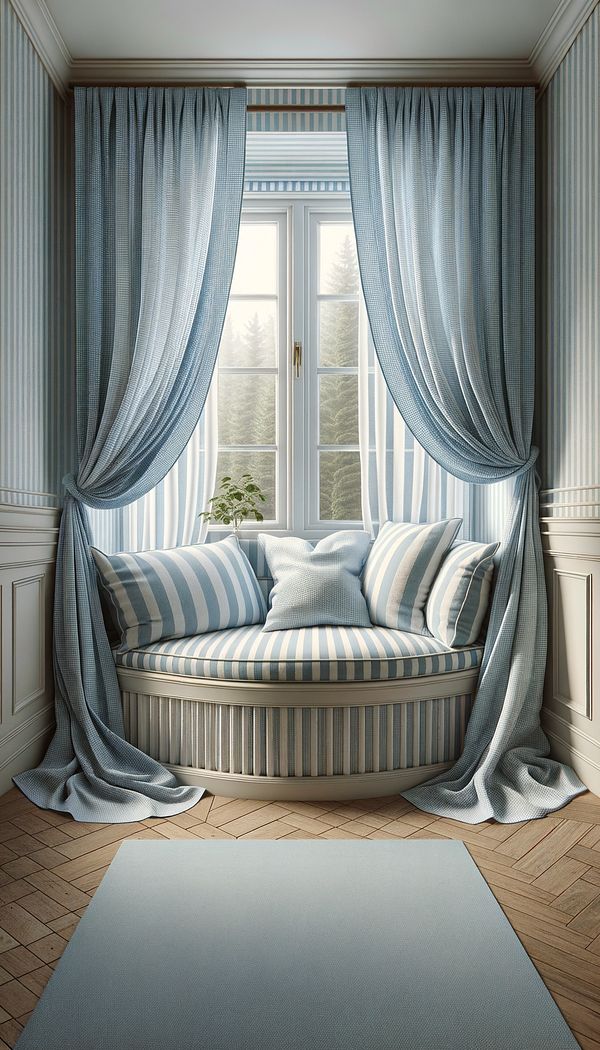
(158, 179)
(442, 187)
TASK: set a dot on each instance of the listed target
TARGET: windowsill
(312, 533)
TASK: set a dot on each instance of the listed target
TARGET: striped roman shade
(459, 597)
(179, 592)
(400, 570)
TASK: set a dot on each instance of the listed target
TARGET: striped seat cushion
(179, 592)
(459, 597)
(309, 654)
(400, 570)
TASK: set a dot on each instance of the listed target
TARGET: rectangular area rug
(299, 945)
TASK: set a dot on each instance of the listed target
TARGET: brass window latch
(297, 358)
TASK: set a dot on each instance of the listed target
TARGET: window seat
(319, 713)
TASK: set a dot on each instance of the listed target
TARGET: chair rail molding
(28, 541)
(571, 711)
(537, 68)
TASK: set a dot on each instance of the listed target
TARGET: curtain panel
(158, 192)
(442, 188)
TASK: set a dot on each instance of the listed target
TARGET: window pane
(247, 414)
(262, 467)
(338, 410)
(255, 270)
(249, 337)
(338, 264)
(339, 486)
(338, 334)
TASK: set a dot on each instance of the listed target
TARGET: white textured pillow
(400, 570)
(459, 597)
(314, 586)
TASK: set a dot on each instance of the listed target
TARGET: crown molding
(558, 36)
(539, 68)
(294, 72)
(46, 38)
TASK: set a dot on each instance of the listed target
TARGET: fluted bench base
(297, 740)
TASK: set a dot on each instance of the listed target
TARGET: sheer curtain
(399, 480)
(158, 192)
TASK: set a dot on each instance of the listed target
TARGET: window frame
(314, 369)
(280, 217)
(297, 408)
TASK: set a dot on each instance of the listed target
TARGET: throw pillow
(179, 592)
(317, 585)
(459, 597)
(400, 570)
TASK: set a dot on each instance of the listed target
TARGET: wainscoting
(571, 714)
(28, 538)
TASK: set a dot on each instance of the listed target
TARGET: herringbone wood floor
(545, 874)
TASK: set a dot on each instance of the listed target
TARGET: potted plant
(235, 502)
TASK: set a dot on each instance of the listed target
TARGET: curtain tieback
(529, 463)
(70, 485)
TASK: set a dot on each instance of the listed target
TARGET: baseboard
(586, 768)
(308, 789)
(26, 757)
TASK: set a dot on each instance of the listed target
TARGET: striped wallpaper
(36, 367)
(568, 412)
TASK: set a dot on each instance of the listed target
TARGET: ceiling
(310, 29)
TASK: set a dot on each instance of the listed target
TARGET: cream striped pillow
(400, 570)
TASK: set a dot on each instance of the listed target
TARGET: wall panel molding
(28, 542)
(29, 600)
(571, 710)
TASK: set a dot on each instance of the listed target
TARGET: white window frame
(280, 217)
(297, 408)
(313, 370)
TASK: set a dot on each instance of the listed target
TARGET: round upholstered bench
(318, 713)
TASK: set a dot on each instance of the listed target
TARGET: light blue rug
(295, 946)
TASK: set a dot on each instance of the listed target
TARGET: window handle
(297, 358)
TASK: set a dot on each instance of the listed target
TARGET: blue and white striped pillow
(400, 570)
(179, 592)
(459, 598)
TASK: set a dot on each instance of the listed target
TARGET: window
(294, 426)
(252, 397)
(332, 358)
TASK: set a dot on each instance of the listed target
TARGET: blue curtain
(442, 187)
(158, 184)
